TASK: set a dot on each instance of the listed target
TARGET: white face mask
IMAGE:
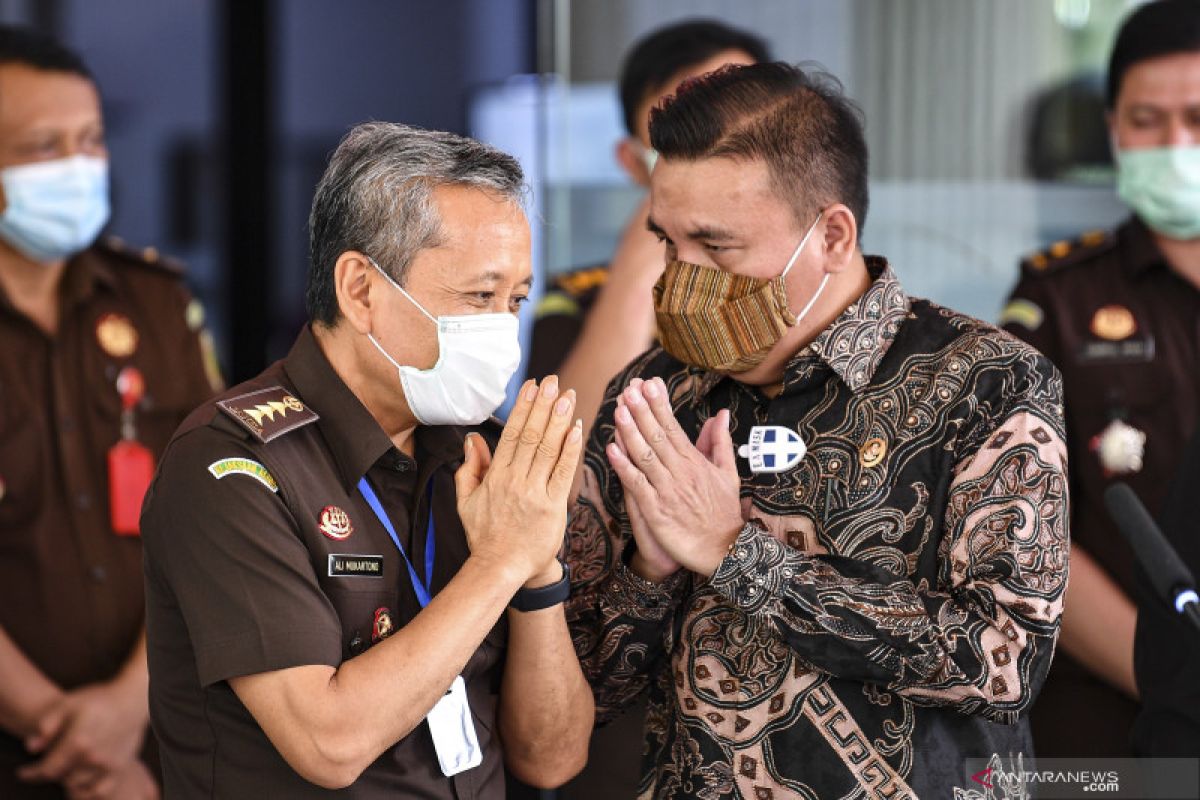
(477, 356)
(54, 208)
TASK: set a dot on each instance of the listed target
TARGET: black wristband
(544, 596)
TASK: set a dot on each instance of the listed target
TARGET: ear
(840, 238)
(629, 156)
(352, 281)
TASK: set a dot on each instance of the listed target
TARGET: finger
(549, 452)
(568, 462)
(57, 763)
(534, 430)
(633, 480)
(48, 728)
(659, 401)
(476, 459)
(637, 450)
(704, 440)
(651, 430)
(88, 781)
(516, 422)
(722, 455)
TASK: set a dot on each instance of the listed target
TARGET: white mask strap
(400, 288)
(813, 302)
(799, 247)
(379, 347)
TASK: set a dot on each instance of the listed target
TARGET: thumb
(47, 729)
(722, 455)
(476, 460)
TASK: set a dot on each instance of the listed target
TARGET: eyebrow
(492, 276)
(706, 233)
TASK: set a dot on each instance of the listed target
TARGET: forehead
(469, 213)
(731, 194)
(1172, 80)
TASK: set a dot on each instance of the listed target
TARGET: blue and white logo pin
(773, 448)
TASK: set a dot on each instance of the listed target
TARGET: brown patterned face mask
(727, 323)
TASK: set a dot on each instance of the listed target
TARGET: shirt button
(98, 573)
(83, 501)
(401, 465)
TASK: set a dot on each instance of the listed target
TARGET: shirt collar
(855, 343)
(82, 274)
(1139, 253)
(353, 435)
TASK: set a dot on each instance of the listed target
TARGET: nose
(1180, 134)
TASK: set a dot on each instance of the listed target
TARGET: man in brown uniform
(1119, 313)
(86, 327)
(330, 549)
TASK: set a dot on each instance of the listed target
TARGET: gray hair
(376, 197)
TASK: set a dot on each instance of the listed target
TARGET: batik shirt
(892, 604)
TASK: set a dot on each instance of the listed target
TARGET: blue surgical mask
(54, 209)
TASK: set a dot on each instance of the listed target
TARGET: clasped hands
(683, 499)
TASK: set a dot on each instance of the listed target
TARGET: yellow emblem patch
(1114, 323)
(1024, 313)
(116, 335)
(243, 466)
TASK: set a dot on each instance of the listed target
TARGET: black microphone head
(1162, 565)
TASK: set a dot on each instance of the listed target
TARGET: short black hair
(799, 121)
(666, 51)
(20, 45)
(1160, 28)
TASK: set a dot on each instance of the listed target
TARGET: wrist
(646, 570)
(501, 570)
(552, 573)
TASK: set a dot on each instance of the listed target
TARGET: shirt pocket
(23, 481)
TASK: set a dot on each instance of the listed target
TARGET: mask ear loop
(400, 289)
(792, 261)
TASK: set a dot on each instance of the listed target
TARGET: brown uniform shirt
(263, 555)
(1124, 329)
(70, 588)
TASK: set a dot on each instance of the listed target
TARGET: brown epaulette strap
(268, 413)
(1066, 252)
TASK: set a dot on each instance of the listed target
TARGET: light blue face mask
(54, 209)
(1162, 185)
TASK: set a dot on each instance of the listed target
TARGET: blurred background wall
(983, 118)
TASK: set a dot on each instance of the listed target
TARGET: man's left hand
(97, 729)
(688, 493)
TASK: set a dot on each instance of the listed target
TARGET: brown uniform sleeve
(228, 553)
(1027, 316)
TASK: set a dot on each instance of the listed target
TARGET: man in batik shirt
(858, 622)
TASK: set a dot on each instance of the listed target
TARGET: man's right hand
(513, 504)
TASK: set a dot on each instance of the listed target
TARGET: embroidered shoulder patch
(243, 466)
(268, 413)
(1022, 312)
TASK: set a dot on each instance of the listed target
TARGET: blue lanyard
(422, 589)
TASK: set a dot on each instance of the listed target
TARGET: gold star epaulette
(143, 256)
(268, 413)
(581, 281)
(1066, 252)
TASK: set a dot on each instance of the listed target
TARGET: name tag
(1130, 350)
(352, 565)
(453, 731)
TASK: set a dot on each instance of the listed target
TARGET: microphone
(1171, 579)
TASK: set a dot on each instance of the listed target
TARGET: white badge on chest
(453, 731)
(773, 448)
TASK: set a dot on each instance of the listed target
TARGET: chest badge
(872, 452)
(383, 626)
(1120, 448)
(335, 523)
(116, 335)
(773, 448)
(1113, 323)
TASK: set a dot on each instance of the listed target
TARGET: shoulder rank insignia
(268, 413)
(1065, 252)
(581, 281)
(1025, 313)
